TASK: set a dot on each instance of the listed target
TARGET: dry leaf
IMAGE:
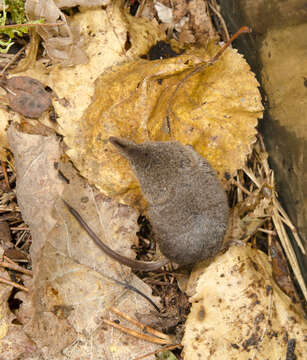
(215, 111)
(15, 344)
(225, 93)
(280, 270)
(62, 42)
(165, 13)
(200, 23)
(191, 19)
(71, 286)
(5, 235)
(105, 32)
(26, 95)
(34, 157)
(239, 310)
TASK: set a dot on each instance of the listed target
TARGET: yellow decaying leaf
(104, 34)
(239, 310)
(215, 110)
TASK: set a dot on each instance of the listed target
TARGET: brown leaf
(62, 43)
(5, 234)
(280, 270)
(26, 95)
(71, 286)
(15, 344)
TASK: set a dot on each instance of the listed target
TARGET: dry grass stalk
(259, 179)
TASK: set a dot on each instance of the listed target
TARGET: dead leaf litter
(109, 90)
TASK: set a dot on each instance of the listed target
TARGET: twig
(288, 222)
(14, 26)
(243, 29)
(20, 228)
(218, 14)
(13, 266)
(140, 8)
(18, 286)
(136, 334)
(203, 65)
(5, 174)
(20, 239)
(6, 258)
(235, 182)
(269, 241)
(270, 232)
(251, 176)
(145, 328)
(286, 244)
(12, 60)
(279, 217)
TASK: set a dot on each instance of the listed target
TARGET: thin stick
(203, 65)
(134, 333)
(20, 239)
(270, 232)
(6, 258)
(20, 228)
(23, 261)
(270, 241)
(243, 29)
(8, 282)
(14, 26)
(140, 8)
(235, 182)
(5, 174)
(15, 267)
(288, 249)
(251, 176)
(12, 60)
(288, 222)
(164, 348)
(145, 328)
(217, 13)
(13, 262)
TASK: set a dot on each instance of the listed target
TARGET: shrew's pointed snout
(120, 143)
(125, 147)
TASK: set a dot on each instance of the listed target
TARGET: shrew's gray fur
(188, 207)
